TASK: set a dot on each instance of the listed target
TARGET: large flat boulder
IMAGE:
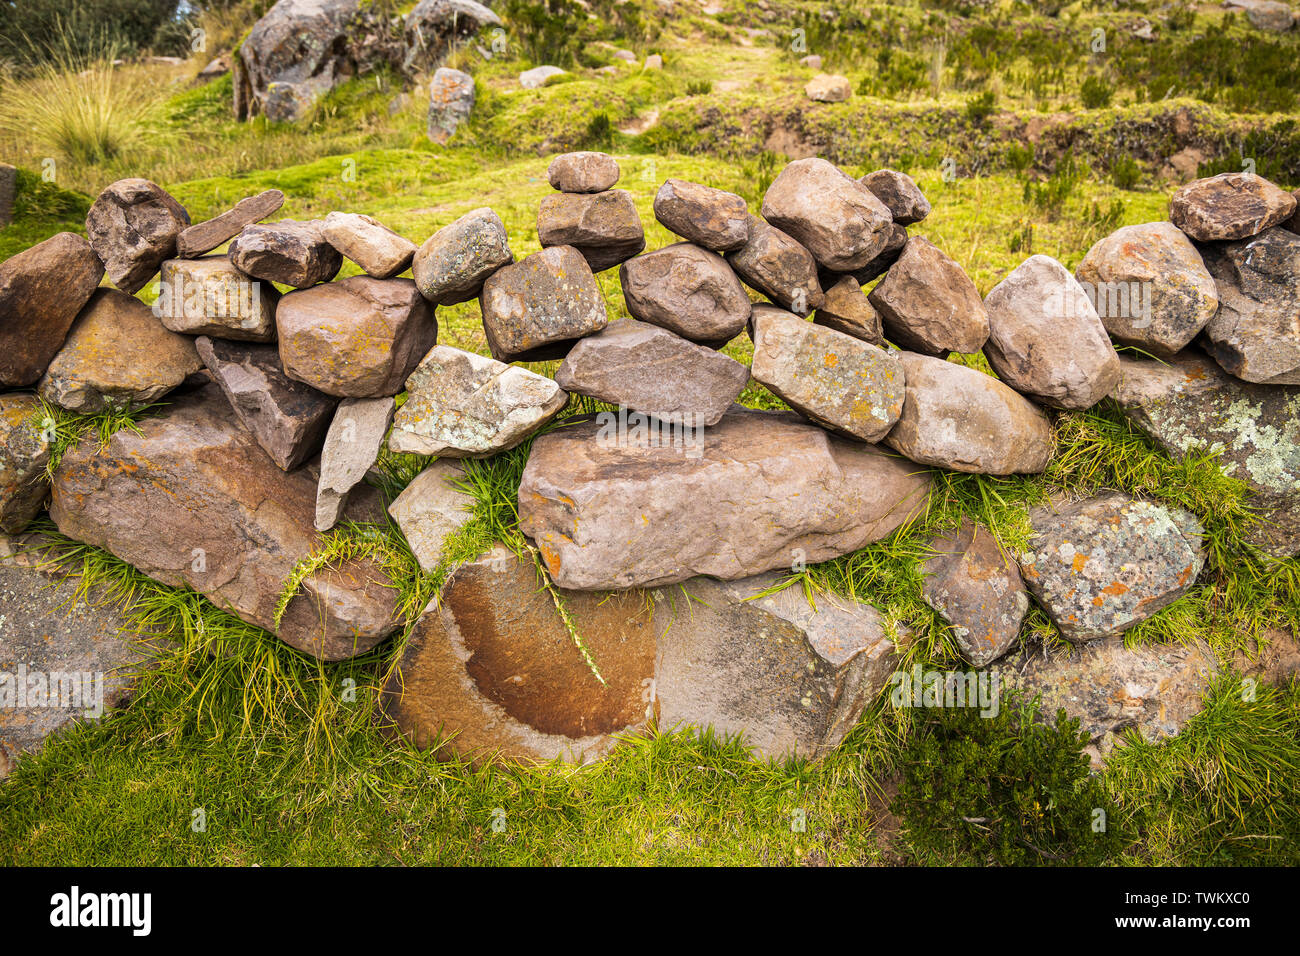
(1229, 206)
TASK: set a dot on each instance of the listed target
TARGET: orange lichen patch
(1114, 589)
(550, 556)
(1079, 561)
(831, 360)
(1187, 573)
(1196, 375)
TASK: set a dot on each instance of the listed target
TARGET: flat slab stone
(1229, 206)
(352, 444)
(378, 250)
(203, 237)
(209, 296)
(431, 509)
(687, 290)
(976, 588)
(617, 505)
(455, 261)
(605, 226)
(537, 308)
(777, 266)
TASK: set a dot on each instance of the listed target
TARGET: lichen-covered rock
(289, 252)
(42, 290)
(1255, 335)
(957, 417)
(1229, 206)
(711, 218)
(451, 102)
(352, 444)
(620, 504)
(687, 290)
(535, 309)
(583, 172)
(202, 237)
(928, 304)
(648, 369)
(777, 266)
(847, 309)
(1190, 403)
(25, 440)
(463, 405)
(433, 26)
(357, 338)
(1149, 286)
(1046, 339)
(455, 261)
(976, 588)
(118, 356)
(378, 250)
(133, 226)
(209, 296)
(431, 509)
(900, 194)
(828, 88)
(605, 226)
(831, 214)
(835, 380)
(1102, 565)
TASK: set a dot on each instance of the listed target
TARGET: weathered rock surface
(895, 241)
(831, 214)
(959, 418)
(928, 304)
(118, 355)
(133, 226)
(352, 444)
(357, 338)
(837, 381)
(649, 369)
(433, 26)
(605, 226)
(791, 680)
(455, 261)
(976, 588)
(451, 103)
(828, 88)
(900, 194)
(192, 500)
(201, 238)
(1046, 339)
(536, 308)
(777, 266)
(287, 418)
(1149, 286)
(1267, 15)
(1255, 335)
(1192, 404)
(711, 218)
(25, 440)
(583, 172)
(42, 289)
(209, 296)
(8, 191)
(639, 508)
(289, 252)
(463, 405)
(687, 290)
(378, 250)
(1100, 566)
(1229, 206)
(847, 309)
(490, 670)
(536, 77)
(431, 509)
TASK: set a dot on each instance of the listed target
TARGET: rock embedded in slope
(791, 679)
(958, 418)
(613, 507)
(1149, 286)
(1046, 339)
(118, 356)
(900, 194)
(687, 290)
(1191, 404)
(451, 103)
(1102, 565)
(356, 338)
(289, 252)
(378, 250)
(847, 309)
(583, 172)
(711, 218)
(431, 509)
(192, 500)
(209, 296)
(648, 369)
(538, 76)
(202, 237)
(535, 309)
(287, 418)
(463, 405)
(352, 444)
(1229, 206)
(777, 266)
(1255, 335)
(133, 226)
(831, 214)
(432, 28)
(605, 226)
(976, 588)
(455, 261)
(928, 304)
(828, 88)
(42, 290)
(837, 381)
(26, 437)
